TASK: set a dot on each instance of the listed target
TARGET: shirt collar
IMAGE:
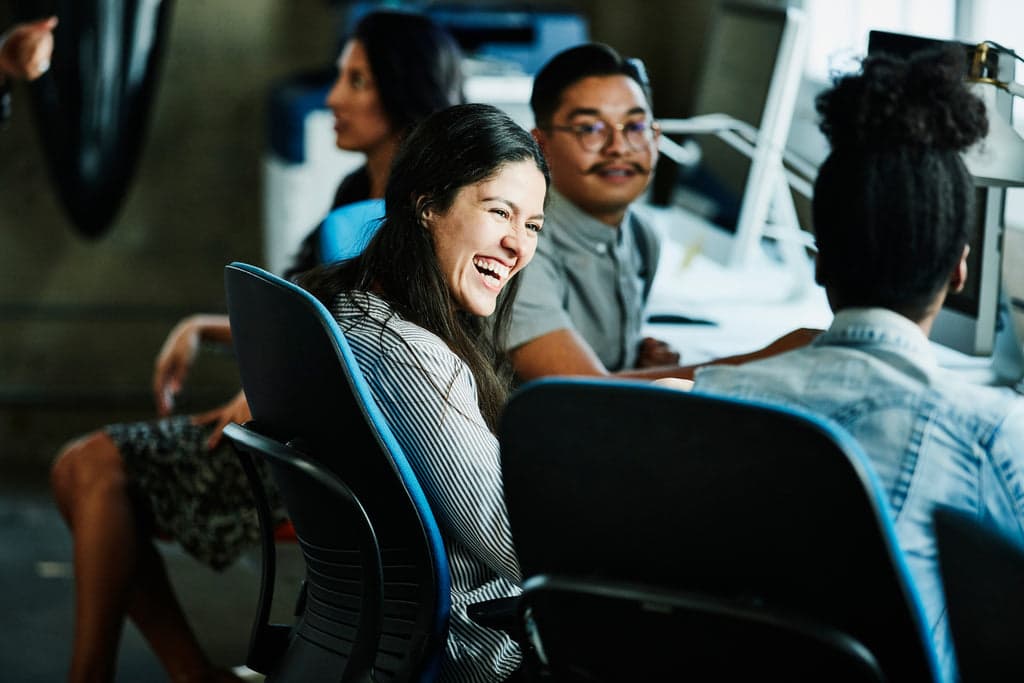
(879, 327)
(586, 230)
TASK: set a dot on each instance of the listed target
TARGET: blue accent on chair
(671, 534)
(306, 392)
(346, 230)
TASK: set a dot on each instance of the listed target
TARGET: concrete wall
(80, 321)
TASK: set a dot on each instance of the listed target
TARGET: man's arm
(564, 352)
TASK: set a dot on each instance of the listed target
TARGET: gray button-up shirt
(590, 277)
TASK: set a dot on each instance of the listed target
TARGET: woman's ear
(958, 278)
(424, 211)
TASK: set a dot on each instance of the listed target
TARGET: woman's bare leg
(117, 572)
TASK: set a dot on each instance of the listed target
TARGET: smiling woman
(465, 203)
(488, 234)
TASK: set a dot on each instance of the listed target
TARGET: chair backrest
(983, 579)
(347, 229)
(304, 388)
(759, 507)
(340, 637)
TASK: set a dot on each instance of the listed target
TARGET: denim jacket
(933, 438)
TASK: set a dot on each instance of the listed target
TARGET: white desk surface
(751, 305)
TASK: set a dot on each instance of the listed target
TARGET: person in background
(465, 204)
(580, 311)
(893, 204)
(120, 486)
(25, 52)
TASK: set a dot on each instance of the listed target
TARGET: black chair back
(983, 578)
(306, 392)
(618, 485)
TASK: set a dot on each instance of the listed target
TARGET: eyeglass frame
(652, 126)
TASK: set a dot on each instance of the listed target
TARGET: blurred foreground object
(92, 106)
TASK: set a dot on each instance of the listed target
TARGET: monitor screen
(967, 300)
(735, 81)
(751, 73)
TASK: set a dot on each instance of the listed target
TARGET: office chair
(318, 426)
(983, 579)
(347, 229)
(664, 534)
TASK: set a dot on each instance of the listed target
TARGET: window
(839, 28)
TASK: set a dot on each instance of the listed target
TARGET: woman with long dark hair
(465, 202)
(174, 477)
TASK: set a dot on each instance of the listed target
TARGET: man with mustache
(580, 305)
(579, 309)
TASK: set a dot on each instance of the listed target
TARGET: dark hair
(415, 63)
(450, 150)
(575, 64)
(893, 202)
(417, 68)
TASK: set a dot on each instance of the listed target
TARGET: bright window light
(839, 28)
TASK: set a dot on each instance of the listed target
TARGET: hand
(236, 410)
(655, 353)
(173, 363)
(25, 50)
(674, 383)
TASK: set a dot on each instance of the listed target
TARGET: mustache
(602, 165)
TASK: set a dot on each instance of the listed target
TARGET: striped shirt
(428, 396)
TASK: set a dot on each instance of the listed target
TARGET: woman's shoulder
(367, 319)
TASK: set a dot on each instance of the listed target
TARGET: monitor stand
(1004, 367)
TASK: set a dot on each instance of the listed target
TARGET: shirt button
(601, 248)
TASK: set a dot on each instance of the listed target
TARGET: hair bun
(922, 101)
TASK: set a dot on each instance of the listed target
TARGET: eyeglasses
(594, 136)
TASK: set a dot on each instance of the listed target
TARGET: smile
(493, 271)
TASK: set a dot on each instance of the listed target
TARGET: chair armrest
(500, 614)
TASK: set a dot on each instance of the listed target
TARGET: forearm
(210, 327)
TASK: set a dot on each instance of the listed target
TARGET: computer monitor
(752, 73)
(969, 320)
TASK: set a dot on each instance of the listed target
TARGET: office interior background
(81, 320)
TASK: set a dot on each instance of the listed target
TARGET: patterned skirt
(197, 497)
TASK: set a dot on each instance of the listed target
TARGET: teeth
(493, 269)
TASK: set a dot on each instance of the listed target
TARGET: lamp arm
(1014, 88)
(739, 135)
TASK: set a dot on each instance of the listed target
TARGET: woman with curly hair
(893, 206)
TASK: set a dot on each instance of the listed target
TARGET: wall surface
(81, 321)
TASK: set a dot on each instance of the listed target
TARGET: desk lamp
(998, 159)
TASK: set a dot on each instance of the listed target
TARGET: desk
(751, 305)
